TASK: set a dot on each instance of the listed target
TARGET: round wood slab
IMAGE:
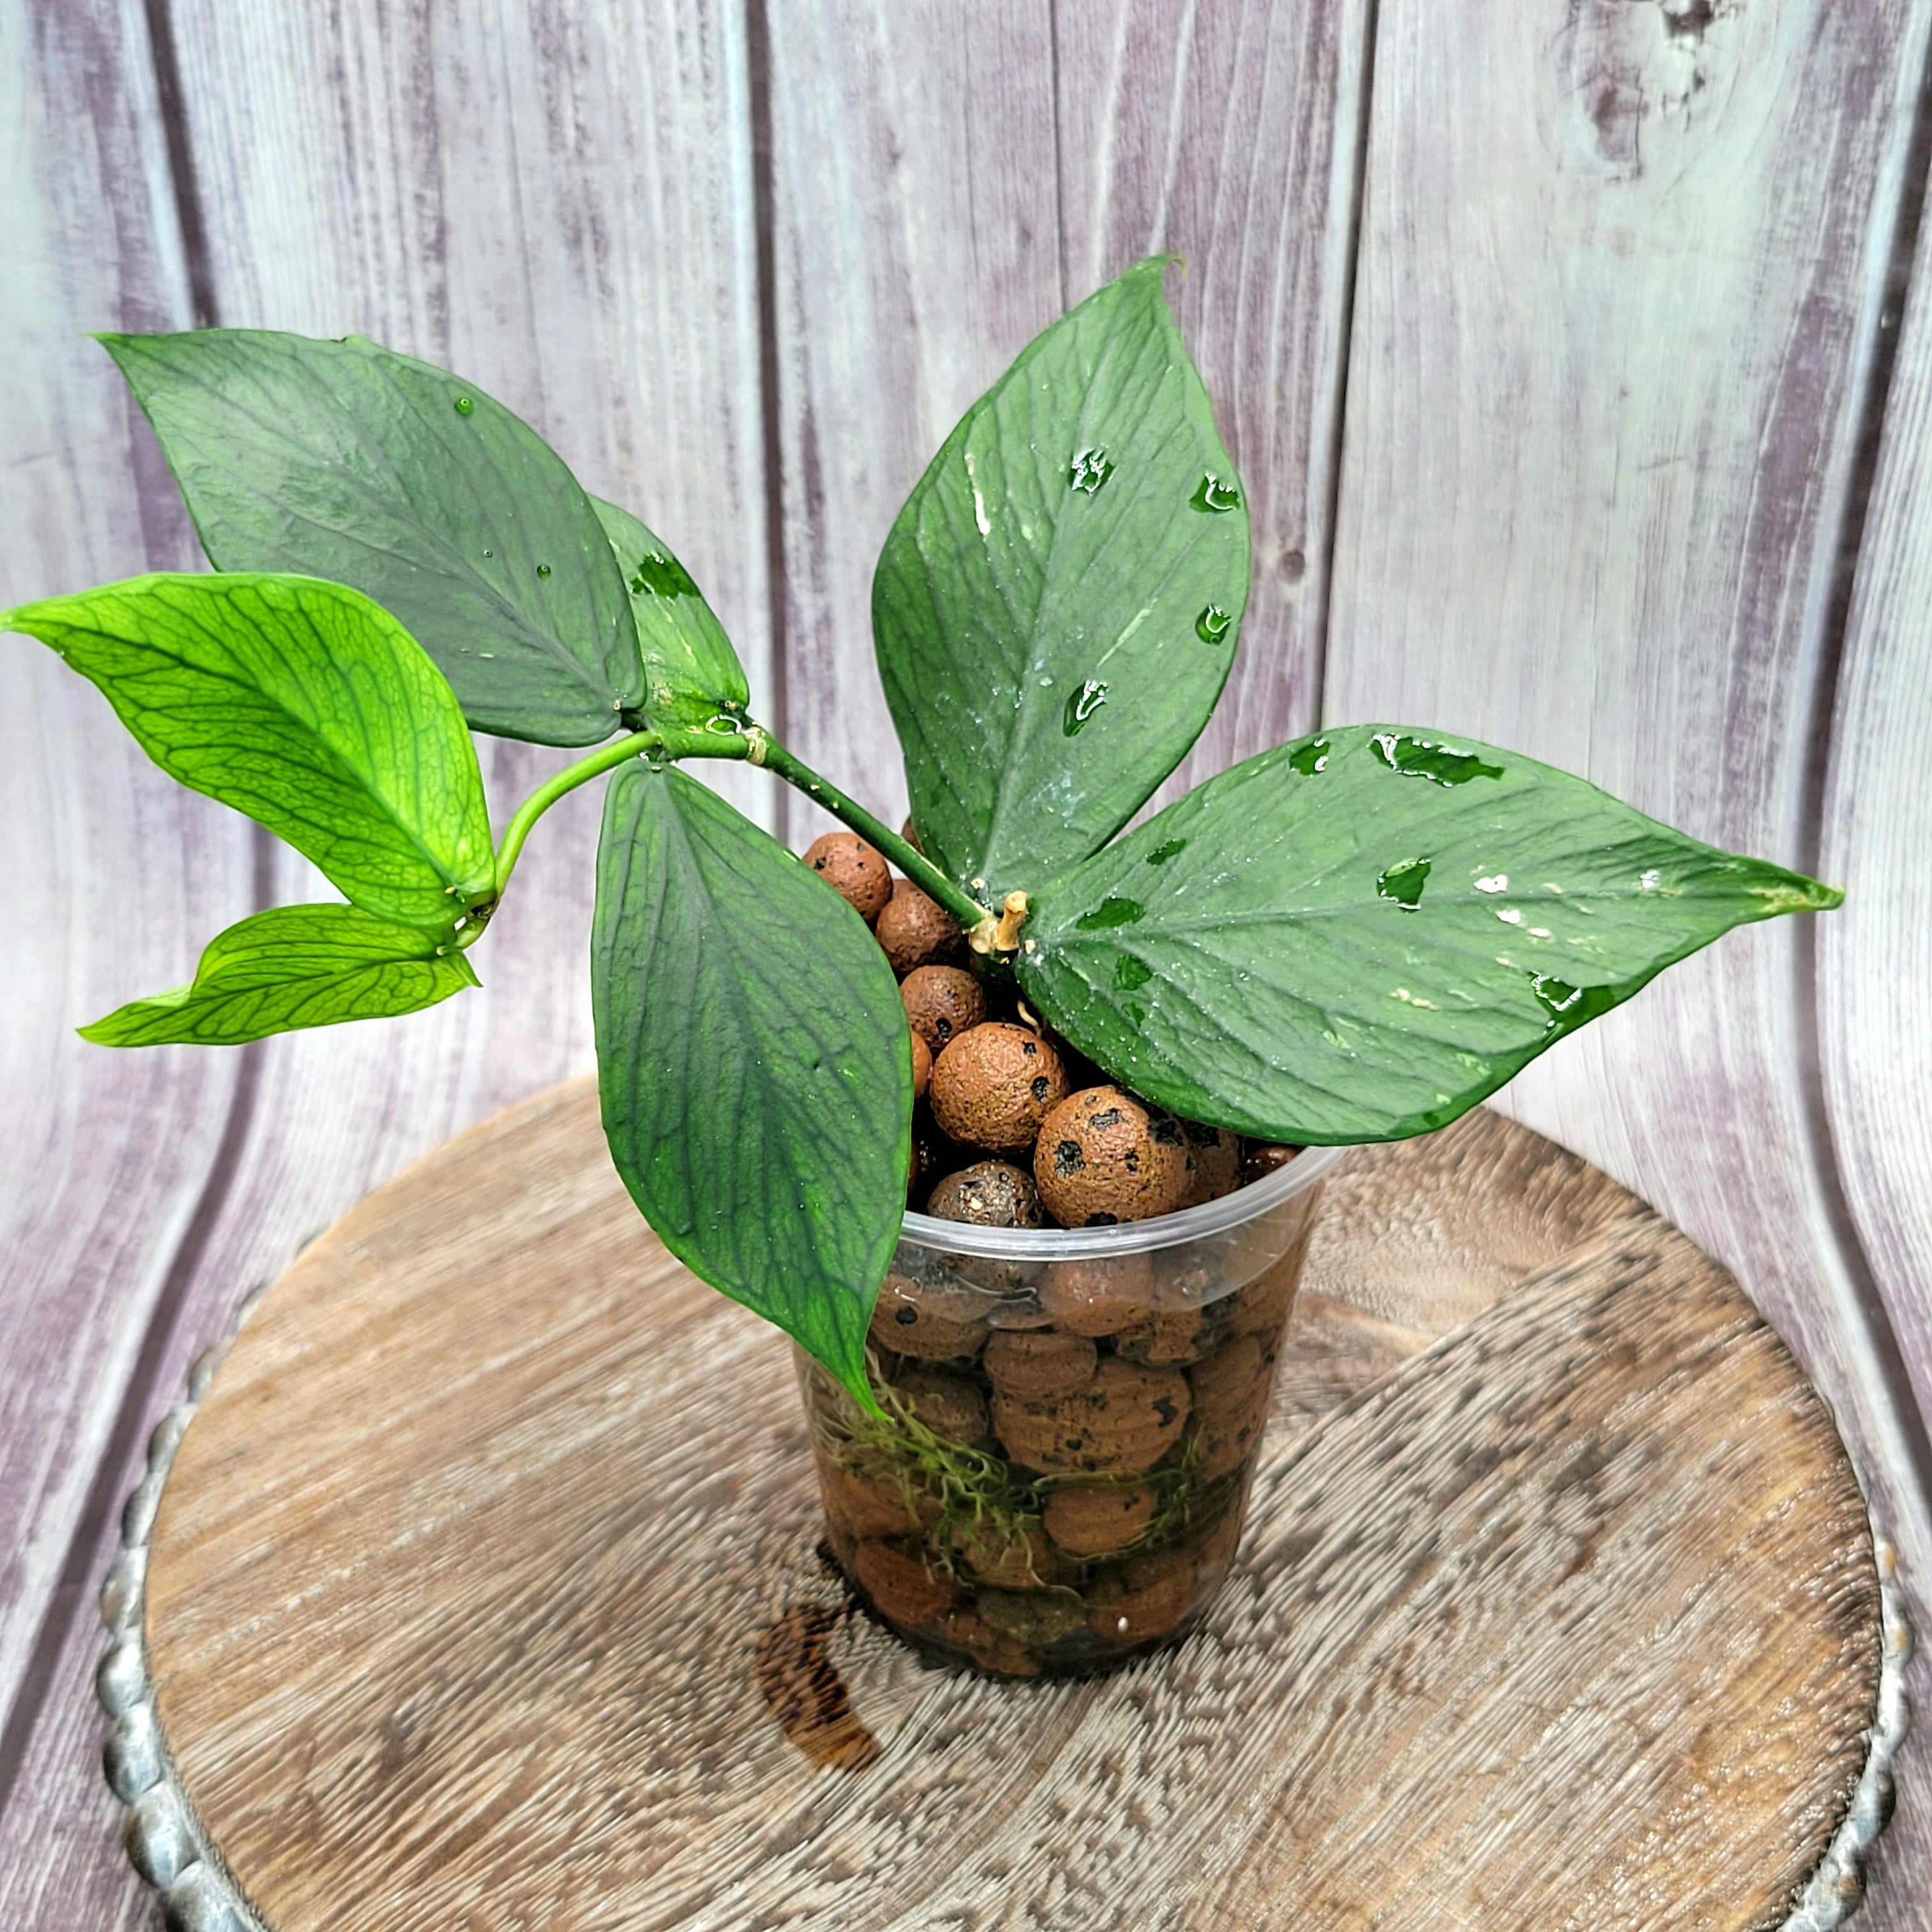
(482, 1593)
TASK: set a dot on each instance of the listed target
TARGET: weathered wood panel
(915, 246)
(557, 203)
(1619, 280)
(113, 871)
(1874, 954)
(1229, 135)
(945, 183)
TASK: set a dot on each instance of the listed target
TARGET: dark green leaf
(1357, 937)
(293, 966)
(1057, 607)
(341, 459)
(305, 705)
(692, 674)
(754, 1061)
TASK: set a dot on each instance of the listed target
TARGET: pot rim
(1127, 1238)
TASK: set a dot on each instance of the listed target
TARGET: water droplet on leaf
(1130, 973)
(489, 553)
(1403, 883)
(1211, 626)
(1081, 706)
(543, 570)
(1310, 758)
(1173, 849)
(1215, 494)
(1425, 758)
(1571, 1005)
(1109, 913)
(1091, 468)
(662, 576)
(465, 406)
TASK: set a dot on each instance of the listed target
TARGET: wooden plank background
(1575, 357)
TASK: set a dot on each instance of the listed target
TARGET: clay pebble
(854, 870)
(1102, 1157)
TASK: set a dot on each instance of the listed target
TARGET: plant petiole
(636, 744)
(766, 751)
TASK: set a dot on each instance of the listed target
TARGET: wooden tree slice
(488, 1560)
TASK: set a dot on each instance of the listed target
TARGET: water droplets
(543, 570)
(1215, 494)
(1403, 882)
(660, 574)
(489, 553)
(1091, 468)
(1570, 1006)
(1426, 758)
(1173, 849)
(1130, 973)
(1081, 706)
(1110, 914)
(1211, 626)
(1310, 758)
(465, 406)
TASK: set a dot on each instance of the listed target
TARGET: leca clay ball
(859, 874)
(1102, 1157)
(922, 1066)
(1214, 1163)
(989, 1194)
(941, 1002)
(915, 930)
(1269, 1158)
(992, 1086)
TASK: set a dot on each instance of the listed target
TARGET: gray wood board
(1619, 285)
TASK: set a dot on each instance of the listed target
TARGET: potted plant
(1069, 1038)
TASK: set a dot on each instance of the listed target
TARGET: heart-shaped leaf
(1056, 607)
(290, 967)
(692, 674)
(753, 1061)
(343, 460)
(1357, 936)
(306, 706)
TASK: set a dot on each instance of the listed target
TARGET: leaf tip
(1796, 893)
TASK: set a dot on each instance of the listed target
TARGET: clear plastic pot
(1072, 1419)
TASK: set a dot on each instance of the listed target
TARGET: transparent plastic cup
(1072, 1419)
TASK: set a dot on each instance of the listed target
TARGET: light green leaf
(1357, 936)
(290, 967)
(754, 1061)
(344, 460)
(692, 674)
(305, 705)
(1057, 607)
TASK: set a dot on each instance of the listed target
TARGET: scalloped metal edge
(168, 1845)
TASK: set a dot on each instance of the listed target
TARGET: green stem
(766, 751)
(672, 744)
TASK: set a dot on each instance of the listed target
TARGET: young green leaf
(692, 674)
(305, 705)
(1357, 936)
(289, 967)
(343, 460)
(1056, 607)
(753, 1061)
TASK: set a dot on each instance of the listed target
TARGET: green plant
(1353, 937)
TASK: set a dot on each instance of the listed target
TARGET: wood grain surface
(482, 1558)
